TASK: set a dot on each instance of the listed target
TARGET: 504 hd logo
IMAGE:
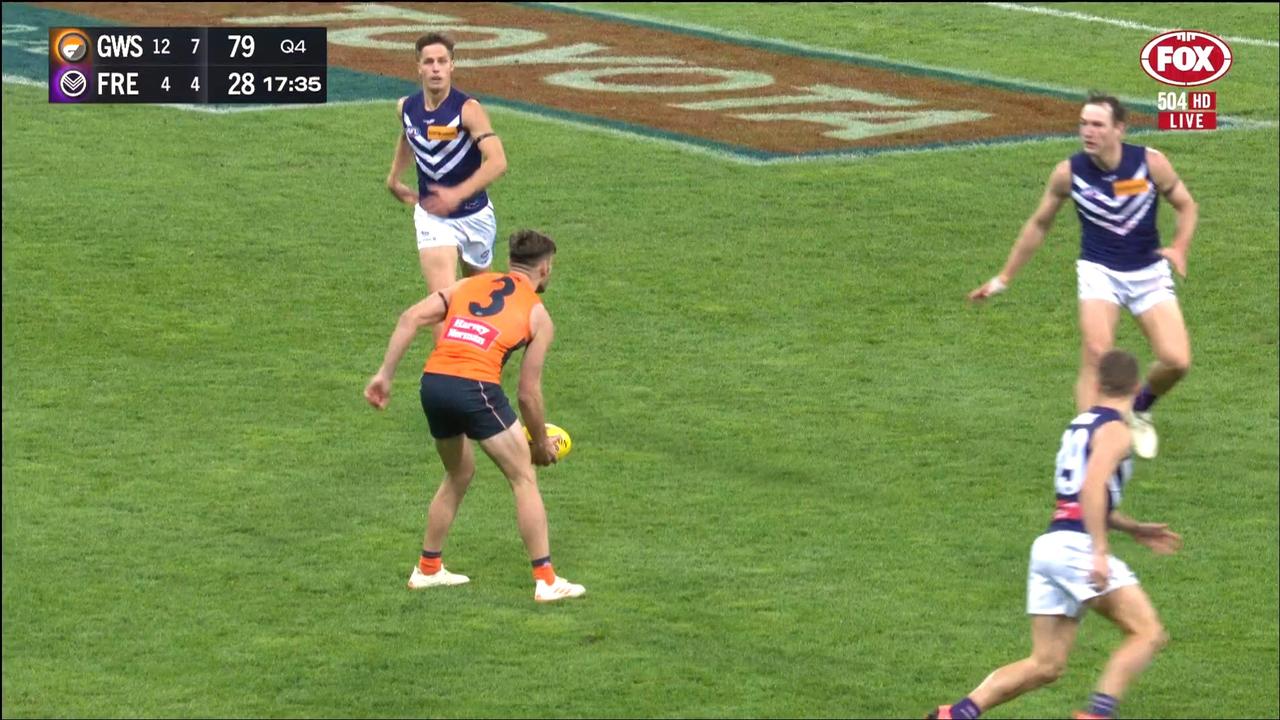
(1187, 58)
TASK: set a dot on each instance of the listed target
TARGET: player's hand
(544, 453)
(441, 200)
(1158, 537)
(378, 391)
(402, 192)
(1100, 575)
(1176, 258)
(994, 286)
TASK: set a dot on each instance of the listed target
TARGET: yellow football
(558, 436)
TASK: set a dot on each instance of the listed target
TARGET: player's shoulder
(1154, 156)
(1060, 177)
(400, 104)
(540, 319)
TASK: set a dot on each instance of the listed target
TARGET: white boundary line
(849, 54)
(1128, 24)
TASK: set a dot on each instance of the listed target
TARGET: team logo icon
(73, 83)
(73, 47)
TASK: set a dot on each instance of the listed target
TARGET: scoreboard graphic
(188, 65)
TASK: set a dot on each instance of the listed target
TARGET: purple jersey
(444, 152)
(1073, 458)
(1117, 210)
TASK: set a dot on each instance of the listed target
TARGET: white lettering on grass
(812, 94)
(576, 54)
(861, 125)
(590, 80)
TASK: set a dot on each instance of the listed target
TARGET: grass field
(805, 475)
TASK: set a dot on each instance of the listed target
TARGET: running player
(1115, 187)
(486, 319)
(1071, 567)
(446, 134)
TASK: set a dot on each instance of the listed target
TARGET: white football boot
(1145, 441)
(418, 581)
(558, 590)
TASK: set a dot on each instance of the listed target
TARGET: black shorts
(457, 405)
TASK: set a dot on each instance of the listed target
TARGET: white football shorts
(1058, 576)
(1139, 290)
(473, 235)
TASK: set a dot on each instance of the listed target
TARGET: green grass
(805, 474)
(1037, 48)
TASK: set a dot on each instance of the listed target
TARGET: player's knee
(1049, 670)
(1158, 637)
(1153, 634)
(461, 477)
(522, 479)
(1093, 350)
(1179, 364)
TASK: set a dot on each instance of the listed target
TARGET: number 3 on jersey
(497, 299)
(1069, 474)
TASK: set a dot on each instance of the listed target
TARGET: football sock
(543, 571)
(1102, 704)
(1145, 399)
(429, 563)
(965, 709)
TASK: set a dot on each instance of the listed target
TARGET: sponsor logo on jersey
(1136, 186)
(469, 330)
(441, 132)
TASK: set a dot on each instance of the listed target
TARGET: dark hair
(1118, 113)
(529, 247)
(435, 38)
(1117, 373)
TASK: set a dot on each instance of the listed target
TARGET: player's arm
(1033, 232)
(1119, 521)
(493, 158)
(1108, 448)
(1184, 206)
(402, 159)
(1156, 536)
(493, 163)
(428, 311)
(532, 410)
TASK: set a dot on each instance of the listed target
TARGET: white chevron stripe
(456, 122)
(1141, 174)
(1120, 229)
(434, 170)
(439, 157)
(433, 144)
(1122, 215)
(457, 158)
(430, 145)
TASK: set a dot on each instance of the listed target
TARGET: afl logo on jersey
(1186, 58)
